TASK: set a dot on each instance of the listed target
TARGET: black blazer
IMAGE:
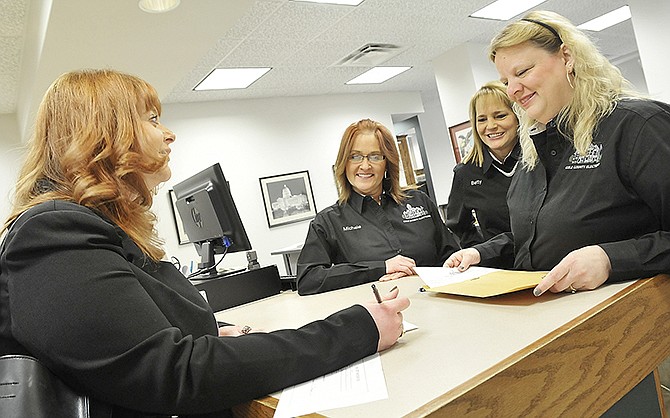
(78, 294)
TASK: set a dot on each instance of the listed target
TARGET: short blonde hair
(87, 148)
(598, 84)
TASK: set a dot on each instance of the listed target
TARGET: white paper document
(357, 383)
(408, 326)
(440, 276)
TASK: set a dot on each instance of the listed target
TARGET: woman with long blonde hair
(591, 204)
(477, 207)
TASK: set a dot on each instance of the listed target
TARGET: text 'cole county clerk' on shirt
(616, 196)
(348, 244)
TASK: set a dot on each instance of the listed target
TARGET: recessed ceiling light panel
(505, 9)
(607, 20)
(231, 78)
(377, 75)
(158, 6)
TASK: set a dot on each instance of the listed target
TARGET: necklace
(505, 173)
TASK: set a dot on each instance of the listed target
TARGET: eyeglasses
(373, 158)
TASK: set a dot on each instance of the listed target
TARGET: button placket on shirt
(380, 213)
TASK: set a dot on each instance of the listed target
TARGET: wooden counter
(512, 355)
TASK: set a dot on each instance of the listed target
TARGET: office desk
(514, 355)
(236, 289)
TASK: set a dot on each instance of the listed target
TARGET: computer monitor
(210, 218)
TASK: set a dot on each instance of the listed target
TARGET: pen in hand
(376, 292)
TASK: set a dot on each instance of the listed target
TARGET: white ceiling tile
(8, 92)
(13, 17)
(303, 41)
(10, 59)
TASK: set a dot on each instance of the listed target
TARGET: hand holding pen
(387, 314)
(376, 293)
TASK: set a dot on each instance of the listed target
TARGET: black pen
(376, 292)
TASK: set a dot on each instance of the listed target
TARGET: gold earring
(567, 75)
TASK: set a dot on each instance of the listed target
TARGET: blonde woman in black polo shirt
(592, 202)
(377, 230)
(477, 208)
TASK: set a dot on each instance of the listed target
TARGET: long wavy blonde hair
(88, 148)
(492, 90)
(387, 147)
(598, 84)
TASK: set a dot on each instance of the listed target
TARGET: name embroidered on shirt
(475, 182)
(351, 227)
(594, 154)
(414, 213)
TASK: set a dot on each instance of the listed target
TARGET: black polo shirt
(484, 191)
(348, 244)
(616, 196)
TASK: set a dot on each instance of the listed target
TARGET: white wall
(631, 69)
(438, 148)
(10, 159)
(458, 73)
(258, 138)
(652, 32)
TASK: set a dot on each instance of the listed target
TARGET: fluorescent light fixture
(231, 78)
(377, 75)
(505, 9)
(607, 20)
(158, 6)
(344, 2)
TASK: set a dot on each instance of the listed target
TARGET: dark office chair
(29, 389)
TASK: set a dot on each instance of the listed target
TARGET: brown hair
(388, 148)
(88, 148)
(491, 90)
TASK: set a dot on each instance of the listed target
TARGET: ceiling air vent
(370, 55)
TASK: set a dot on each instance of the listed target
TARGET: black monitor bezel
(211, 188)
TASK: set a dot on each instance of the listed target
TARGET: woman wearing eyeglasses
(377, 230)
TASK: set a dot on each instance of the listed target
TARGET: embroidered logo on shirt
(475, 182)
(414, 213)
(351, 227)
(594, 153)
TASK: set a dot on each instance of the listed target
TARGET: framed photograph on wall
(461, 140)
(288, 198)
(181, 233)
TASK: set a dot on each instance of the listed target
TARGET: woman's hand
(463, 259)
(400, 264)
(392, 276)
(388, 318)
(582, 269)
(235, 330)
